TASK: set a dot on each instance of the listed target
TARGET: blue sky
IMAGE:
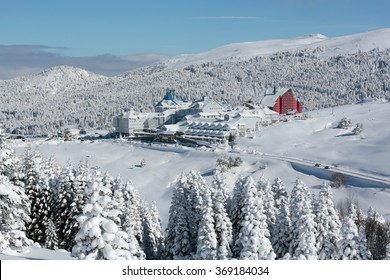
(103, 34)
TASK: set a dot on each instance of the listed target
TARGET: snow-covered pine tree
(268, 203)
(207, 238)
(10, 165)
(219, 183)
(14, 215)
(66, 209)
(51, 241)
(184, 216)
(282, 231)
(303, 226)
(153, 243)
(41, 209)
(82, 177)
(131, 210)
(377, 234)
(253, 241)
(235, 205)
(170, 231)
(197, 187)
(32, 165)
(328, 225)
(280, 193)
(348, 247)
(38, 191)
(100, 235)
(365, 254)
(223, 225)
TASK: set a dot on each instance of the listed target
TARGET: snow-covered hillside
(342, 45)
(315, 140)
(306, 149)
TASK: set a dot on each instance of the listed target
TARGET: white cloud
(21, 60)
(229, 17)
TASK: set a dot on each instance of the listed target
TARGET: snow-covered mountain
(321, 71)
(57, 80)
(329, 47)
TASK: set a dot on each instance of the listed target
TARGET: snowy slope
(57, 79)
(329, 47)
(272, 153)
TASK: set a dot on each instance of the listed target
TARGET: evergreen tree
(219, 183)
(177, 235)
(14, 215)
(82, 177)
(253, 240)
(362, 243)
(38, 191)
(207, 238)
(153, 243)
(377, 233)
(280, 193)
(223, 225)
(41, 210)
(51, 240)
(268, 203)
(66, 210)
(131, 218)
(185, 215)
(282, 231)
(348, 246)
(235, 206)
(100, 235)
(10, 165)
(303, 226)
(328, 225)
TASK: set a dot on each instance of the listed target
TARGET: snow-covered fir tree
(10, 164)
(14, 215)
(223, 225)
(41, 209)
(219, 183)
(264, 185)
(153, 236)
(207, 237)
(282, 231)
(303, 226)
(377, 233)
(66, 210)
(185, 215)
(131, 218)
(51, 240)
(348, 245)
(252, 233)
(328, 225)
(100, 235)
(82, 177)
(280, 193)
(362, 242)
(177, 244)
